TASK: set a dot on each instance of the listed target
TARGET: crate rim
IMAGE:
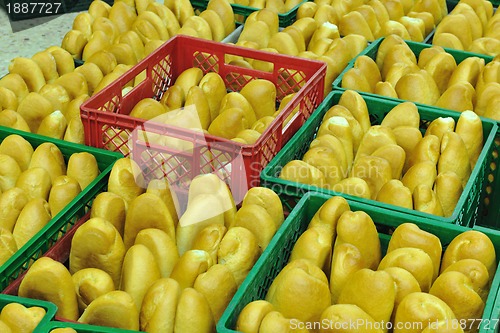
(271, 181)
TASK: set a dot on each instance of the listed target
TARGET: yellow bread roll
(408, 138)
(200, 25)
(376, 171)
(33, 109)
(395, 193)
(310, 297)
(10, 172)
(49, 280)
(248, 136)
(396, 157)
(239, 251)
(262, 124)
(57, 96)
(74, 83)
(353, 186)
(157, 23)
(75, 132)
(132, 38)
(454, 157)
(237, 100)
(403, 114)
(166, 15)
(173, 98)
(229, 123)
(125, 180)
(420, 173)
(267, 199)
(421, 307)
(485, 98)
(376, 137)
(467, 71)
(372, 291)
(329, 213)
(214, 88)
(353, 101)
(357, 246)
(64, 61)
(354, 23)
(426, 150)
(470, 245)
(410, 235)
(427, 54)
(394, 74)
(148, 108)
(470, 129)
(139, 271)
(414, 260)
(99, 8)
(54, 125)
(191, 264)
(48, 156)
(110, 207)
(159, 305)
(340, 128)
(193, 313)
(64, 189)
(225, 12)
(83, 168)
(448, 187)
(32, 218)
(308, 27)
(97, 244)
(146, 30)
(20, 318)
(261, 94)
(340, 318)
(441, 66)
(426, 200)
(325, 161)
(307, 10)
(209, 238)
(161, 246)
(13, 119)
(397, 53)
(218, 286)
(16, 84)
(251, 316)
(8, 245)
(74, 41)
(476, 271)
(47, 63)
(202, 211)
(147, 211)
(368, 68)
(455, 289)
(29, 70)
(8, 99)
(356, 129)
(91, 283)
(161, 188)
(73, 109)
(284, 44)
(315, 245)
(122, 15)
(189, 78)
(256, 219)
(216, 24)
(83, 23)
(405, 284)
(302, 172)
(12, 203)
(440, 126)
(274, 321)
(427, 88)
(113, 309)
(335, 145)
(354, 79)
(459, 97)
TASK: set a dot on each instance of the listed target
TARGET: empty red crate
(107, 124)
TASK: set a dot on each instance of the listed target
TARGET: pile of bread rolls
(337, 279)
(412, 20)
(309, 38)
(15, 317)
(35, 185)
(391, 162)
(202, 102)
(434, 78)
(278, 6)
(138, 263)
(471, 26)
(129, 30)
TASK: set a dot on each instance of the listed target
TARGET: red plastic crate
(107, 124)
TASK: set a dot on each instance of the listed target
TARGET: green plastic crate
(50, 308)
(468, 207)
(491, 197)
(82, 328)
(285, 19)
(278, 252)
(67, 217)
